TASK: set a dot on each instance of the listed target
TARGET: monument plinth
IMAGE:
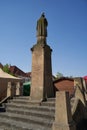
(41, 82)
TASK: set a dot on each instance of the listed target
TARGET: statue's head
(43, 15)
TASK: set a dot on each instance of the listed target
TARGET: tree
(6, 68)
(59, 75)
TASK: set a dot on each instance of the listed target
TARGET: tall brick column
(41, 82)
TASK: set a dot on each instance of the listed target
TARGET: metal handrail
(4, 100)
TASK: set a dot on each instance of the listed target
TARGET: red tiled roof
(28, 74)
(17, 72)
(64, 84)
(1, 66)
(63, 78)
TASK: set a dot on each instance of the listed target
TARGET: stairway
(23, 114)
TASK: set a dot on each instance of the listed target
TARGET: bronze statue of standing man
(42, 26)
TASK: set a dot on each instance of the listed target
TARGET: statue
(42, 26)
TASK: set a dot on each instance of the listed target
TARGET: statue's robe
(42, 26)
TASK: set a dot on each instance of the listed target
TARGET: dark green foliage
(6, 68)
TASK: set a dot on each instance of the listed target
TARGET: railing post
(63, 117)
(17, 89)
(80, 91)
(85, 88)
(9, 89)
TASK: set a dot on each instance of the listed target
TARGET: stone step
(30, 107)
(28, 98)
(27, 119)
(22, 97)
(29, 102)
(24, 114)
(25, 101)
(51, 99)
(48, 103)
(18, 125)
(32, 112)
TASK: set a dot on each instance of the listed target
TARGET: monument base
(41, 81)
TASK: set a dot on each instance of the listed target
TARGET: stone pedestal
(41, 82)
(63, 117)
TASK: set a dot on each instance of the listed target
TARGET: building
(1, 66)
(5, 79)
(64, 84)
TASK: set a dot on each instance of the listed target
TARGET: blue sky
(67, 33)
